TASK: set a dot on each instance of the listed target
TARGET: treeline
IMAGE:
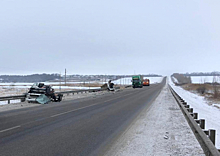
(203, 74)
(52, 77)
(152, 75)
(28, 78)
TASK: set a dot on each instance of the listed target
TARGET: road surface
(79, 127)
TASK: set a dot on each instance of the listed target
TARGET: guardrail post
(197, 121)
(184, 103)
(23, 100)
(195, 115)
(186, 106)
(202, 123)
(212, 135)
(206, 132)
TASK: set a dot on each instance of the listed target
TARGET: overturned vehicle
(108, 86)
(42, 94)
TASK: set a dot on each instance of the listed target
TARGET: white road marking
(73, 110)
(85, 107)
(9, 129)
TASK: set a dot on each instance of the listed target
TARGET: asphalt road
(78, 128)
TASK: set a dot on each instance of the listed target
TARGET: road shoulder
(160, 130)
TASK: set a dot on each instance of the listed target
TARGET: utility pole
(65, 76)
(60, 81)
(105, 78)
(89, 82)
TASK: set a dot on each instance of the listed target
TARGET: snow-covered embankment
(205, 111)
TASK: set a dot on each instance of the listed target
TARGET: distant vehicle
(137, 81)
(146, 82)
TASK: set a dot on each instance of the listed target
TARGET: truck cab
(137, 81)
(146, 82)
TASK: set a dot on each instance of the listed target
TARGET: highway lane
(80, 127)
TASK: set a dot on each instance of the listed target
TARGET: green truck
(137, 81)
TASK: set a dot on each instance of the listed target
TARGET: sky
(109, 37)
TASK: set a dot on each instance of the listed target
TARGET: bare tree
(215, 86)
(202, 87)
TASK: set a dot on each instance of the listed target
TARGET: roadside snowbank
(205, 111)
(160, 130)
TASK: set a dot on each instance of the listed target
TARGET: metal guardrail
(23, 96)
(80, 91)
(206, 138)
(128, 86)
(15, 97)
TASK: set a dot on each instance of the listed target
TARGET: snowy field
(16, 87)
(46, 83)
(203, 79)
(210, 113)
(127, 80)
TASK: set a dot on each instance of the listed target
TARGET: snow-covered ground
(8, 91)
(127, 80)
(210, 113)
(16, 84)
(28, 85)
(161, 130)
(204, 79)
(201, 79)
(175, 80)
(46, 83)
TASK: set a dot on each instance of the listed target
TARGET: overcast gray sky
(109, 37)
